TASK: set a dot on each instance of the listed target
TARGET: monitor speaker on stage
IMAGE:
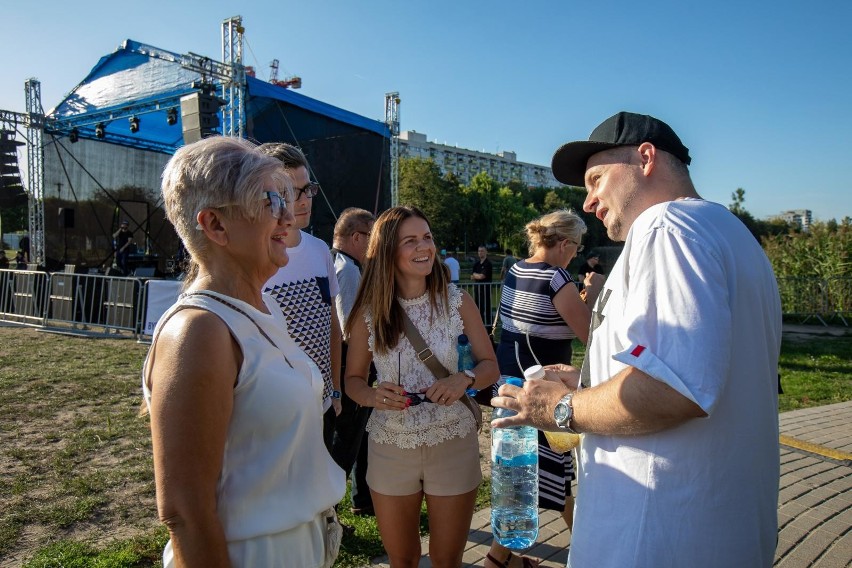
(66, 218)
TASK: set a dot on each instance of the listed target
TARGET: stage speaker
(199, 115)
(66, 218)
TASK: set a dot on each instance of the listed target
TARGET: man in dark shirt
(593, 264)
(483, 274)
(123, 244)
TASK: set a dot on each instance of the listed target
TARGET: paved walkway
(814, 504)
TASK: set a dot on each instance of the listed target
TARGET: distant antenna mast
(234, 114)
(392, 101)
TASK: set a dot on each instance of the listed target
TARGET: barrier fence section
(66, 301)
(94, 303)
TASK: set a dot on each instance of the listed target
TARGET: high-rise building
(465, 164)
(800, 217)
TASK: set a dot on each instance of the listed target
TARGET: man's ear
(647, 157)
(210, 221)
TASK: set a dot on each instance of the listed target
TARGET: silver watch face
(561, 412)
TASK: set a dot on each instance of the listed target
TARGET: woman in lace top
(423, 440)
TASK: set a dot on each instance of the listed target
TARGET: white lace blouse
(424, 424)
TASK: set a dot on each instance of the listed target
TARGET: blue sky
(758, 90)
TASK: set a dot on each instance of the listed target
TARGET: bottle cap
(534, 372)
(515, 381)
(463, 340)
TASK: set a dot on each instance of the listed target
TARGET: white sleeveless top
(425, 424)
(276, 472)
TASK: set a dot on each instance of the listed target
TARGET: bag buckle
(425, 354)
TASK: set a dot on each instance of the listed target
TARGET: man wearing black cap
(678, 404)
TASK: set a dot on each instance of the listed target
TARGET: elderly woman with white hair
(242, 475)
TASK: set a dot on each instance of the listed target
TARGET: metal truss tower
(234, 88)
(35, 169)
(392, 101)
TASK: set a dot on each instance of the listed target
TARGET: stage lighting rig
(171, 117)
(134, 124)
(100, 130)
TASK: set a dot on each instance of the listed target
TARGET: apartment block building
(800, 217)
(465, 164)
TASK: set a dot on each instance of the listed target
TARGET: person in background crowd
(242, 476)
(20, 260)
(679, 405)
(422, 438)
(508, 262)
(592, 264)
(124, 244)
(483, 274)
(349, 449)
(452, 264)
(4, 260)
(306, 287)
(542, 312)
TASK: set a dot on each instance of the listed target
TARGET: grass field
(76, 485)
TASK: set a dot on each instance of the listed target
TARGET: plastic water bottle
(466, 358)
(514, 482)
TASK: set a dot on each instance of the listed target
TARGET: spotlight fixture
(100, 130)
(171, 117)
(74, 135)
(134, 124)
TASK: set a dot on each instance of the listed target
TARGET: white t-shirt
(453, 265)
(693, 302)
(305, 289)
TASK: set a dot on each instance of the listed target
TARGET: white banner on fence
(161, 295)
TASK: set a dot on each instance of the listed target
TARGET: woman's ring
(385, 400)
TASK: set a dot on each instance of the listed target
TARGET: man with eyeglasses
(306, 288)
(349, 448)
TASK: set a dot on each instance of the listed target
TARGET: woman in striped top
(542, 311)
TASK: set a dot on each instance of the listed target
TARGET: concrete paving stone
(792, 509)
(829, 560)
(480, 536)
(806, 522)
(795, 532)
(819, 539)
(839, 524)
(801, 557)
(475, 556)
(816, 469)
(791, 493)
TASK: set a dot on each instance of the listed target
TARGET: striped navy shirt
(526, 304)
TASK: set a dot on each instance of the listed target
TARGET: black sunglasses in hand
(418, 398)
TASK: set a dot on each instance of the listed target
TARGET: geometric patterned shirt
(305, 289)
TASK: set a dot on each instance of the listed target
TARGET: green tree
(481, 211)
(421, 185)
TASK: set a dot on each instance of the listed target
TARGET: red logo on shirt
(637, 350)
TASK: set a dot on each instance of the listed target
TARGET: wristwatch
(564, 413)
(335, 394)
(470, 374)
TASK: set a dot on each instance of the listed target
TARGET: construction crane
(293, 82)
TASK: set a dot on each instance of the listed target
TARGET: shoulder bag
(428, 358)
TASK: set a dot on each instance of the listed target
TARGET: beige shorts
(449, 468)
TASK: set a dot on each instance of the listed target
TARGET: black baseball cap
(622, 129)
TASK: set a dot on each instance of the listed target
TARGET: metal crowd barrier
(65, 301)
(96, 304)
